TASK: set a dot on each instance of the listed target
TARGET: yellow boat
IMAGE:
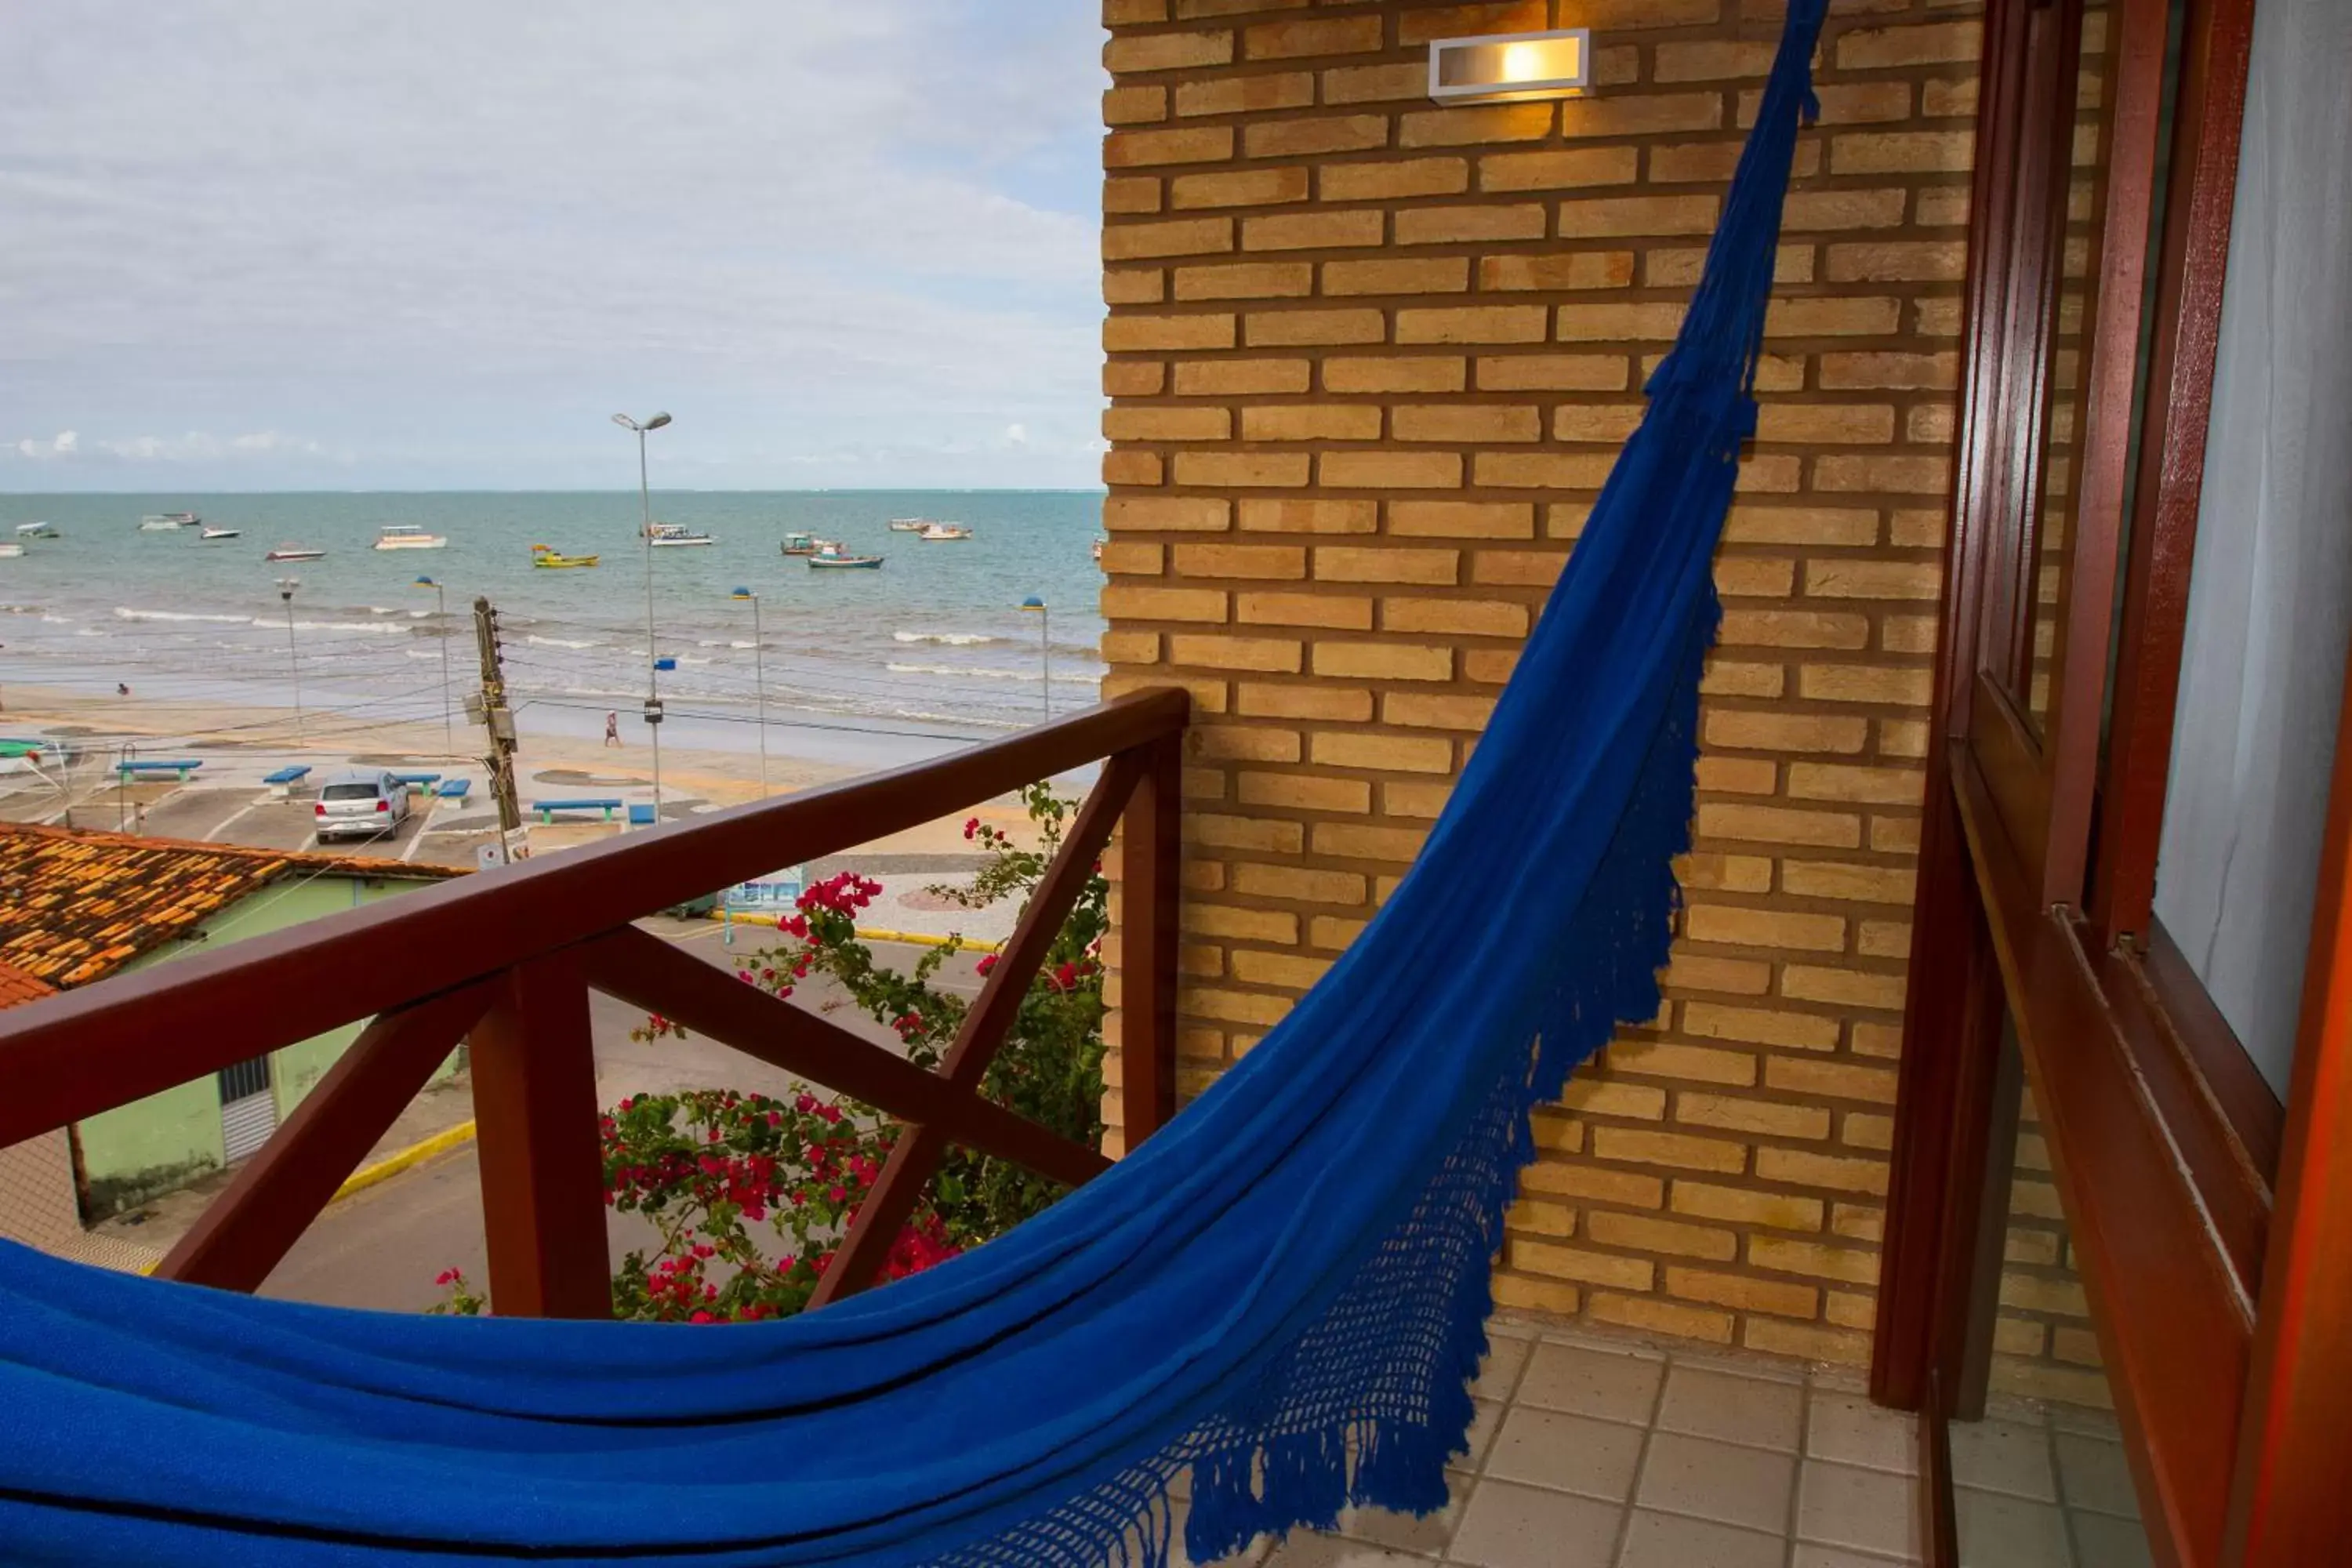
(546, 555)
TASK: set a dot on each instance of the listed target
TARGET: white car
(360, 804)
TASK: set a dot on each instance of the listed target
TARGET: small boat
(671, 534)
(909, 524)
(165, 521)
(9, 547)
(37, 531)
(943, 532)
(831, 555)
(797, 543)
(406, 536)
(295, 553)
(210, 534)
(548, 556)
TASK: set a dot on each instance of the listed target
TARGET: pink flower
(987, 961)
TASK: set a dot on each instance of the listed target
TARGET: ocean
(932, 645)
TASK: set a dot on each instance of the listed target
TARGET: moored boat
(165, 521)
(549, 556)
(909, 524)
(798, 543)
(943, 532)
(9, 548)
(211, 534)
(37, 531)
(672, 533)
(295, 553)
(833, 556)
(406, 536)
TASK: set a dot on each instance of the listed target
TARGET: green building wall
(155, 1145)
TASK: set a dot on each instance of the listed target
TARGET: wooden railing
(506, 961)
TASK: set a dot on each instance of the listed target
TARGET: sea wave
(124, 613)
(952, 639)
(539, 641)
(379, 627)
(979, 672)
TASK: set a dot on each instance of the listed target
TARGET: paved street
(382, 1246)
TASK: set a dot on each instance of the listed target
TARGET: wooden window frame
(2198, 1213)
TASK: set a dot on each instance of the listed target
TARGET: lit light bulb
(1522, 62)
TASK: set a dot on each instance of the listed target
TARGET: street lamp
(441, 624)
(1045, 650)
(285, 587)
(759, 685)
(645, 498)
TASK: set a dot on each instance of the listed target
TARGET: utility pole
(498, 721)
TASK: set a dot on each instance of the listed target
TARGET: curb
(866, 933)
(441, 1143)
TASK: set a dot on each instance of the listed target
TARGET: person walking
(611, 729)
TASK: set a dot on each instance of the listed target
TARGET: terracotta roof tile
(16, 986)
(75, 906)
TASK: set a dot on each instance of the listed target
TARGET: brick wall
(1368, 360)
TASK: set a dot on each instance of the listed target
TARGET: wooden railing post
(534, 1068)
(1150, 852)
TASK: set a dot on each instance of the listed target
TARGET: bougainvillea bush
(752, 1195)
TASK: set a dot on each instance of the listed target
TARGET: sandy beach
(226, 800)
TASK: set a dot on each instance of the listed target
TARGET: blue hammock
(1283, 1293)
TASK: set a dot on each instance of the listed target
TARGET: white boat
(672, 533)
(909, 524)
(165, 521)
(9, 547)
(407, 536)
(210, 534)
(943, 532)
(37, 531)
(295, 553)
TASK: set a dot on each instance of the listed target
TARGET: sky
(279, 245)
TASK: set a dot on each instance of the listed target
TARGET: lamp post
(285, 587)
(759, 685)
(645, 499)
(441, 624)
(1045, 650)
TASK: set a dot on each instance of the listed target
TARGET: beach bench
(281, 783)
(182, 767)
(547, 809)
(643, 816)
(418, 781)
(453, 789)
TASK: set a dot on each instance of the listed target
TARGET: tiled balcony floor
(1598, 1452)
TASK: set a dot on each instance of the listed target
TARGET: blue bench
(281, 783)
(547, 809)
(641, 816)
(181, 766)
(418, 781)
(453, 789)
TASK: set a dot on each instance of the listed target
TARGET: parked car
(360, 804)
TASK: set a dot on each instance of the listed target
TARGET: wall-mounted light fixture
(1508, 68)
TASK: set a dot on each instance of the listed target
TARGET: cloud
(195, 445)
(452, 236)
